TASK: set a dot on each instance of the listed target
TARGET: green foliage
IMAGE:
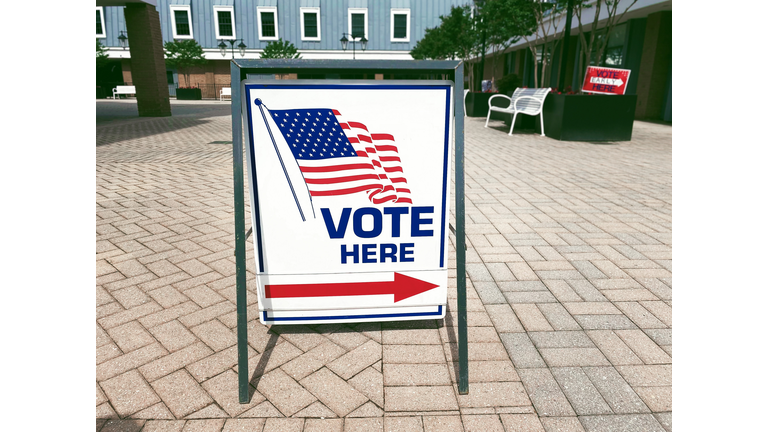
(280, 49)
(460, 35)
(508, 84)
(184, 54)
(435, 45)
(506, 21)
(455, 37)
(101, 56)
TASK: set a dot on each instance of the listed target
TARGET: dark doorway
(107, 77)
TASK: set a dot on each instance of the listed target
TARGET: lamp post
(344, 41)
(241, 47)
(122, 38)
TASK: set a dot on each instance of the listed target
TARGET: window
(267, 17)
(358, 23)
(181, 22)
(614, 50)
(509, 62)
(613, 55)
(225, 22)
(100, 33)
(400, 23)
(310, 23)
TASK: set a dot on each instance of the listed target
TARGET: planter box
(477, 104)
(189, 94)
(588, 117)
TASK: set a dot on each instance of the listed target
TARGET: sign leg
(461, 276)
(237, 170)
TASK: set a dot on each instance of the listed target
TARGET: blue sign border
(367, 86)
(354, 317)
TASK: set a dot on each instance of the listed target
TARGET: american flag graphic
(340, 157)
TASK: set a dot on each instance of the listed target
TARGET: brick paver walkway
(569, 286)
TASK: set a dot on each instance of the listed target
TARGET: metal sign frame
(450, 70)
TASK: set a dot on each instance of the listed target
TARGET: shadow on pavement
(118, 121)
(262, 365)
(452, 337)
(114, 424)
(142, 129)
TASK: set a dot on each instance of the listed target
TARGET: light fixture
(344, 41)
(122, 38)
(223, 47)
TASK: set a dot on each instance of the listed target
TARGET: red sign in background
(605, 80)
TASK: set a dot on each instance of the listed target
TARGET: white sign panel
(349, 186)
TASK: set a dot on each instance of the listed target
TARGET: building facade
(314, 27)
(641, 42)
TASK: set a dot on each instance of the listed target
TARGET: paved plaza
(569, 285)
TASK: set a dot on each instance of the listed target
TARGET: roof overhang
(124, 2)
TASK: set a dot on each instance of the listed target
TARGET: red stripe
(344, 191)
(397, 180)
(404, 200)
(382, 137)
(358, 125)
(332, 168)
(344, 125)
(377, 200)
(364, 138)
(353, 140)
(386, 148)
(336, 112)
(390, 159)
(387, 169)
(403, 190)
(370, 150)
(342, 179)
(362, 154)
(376, 163)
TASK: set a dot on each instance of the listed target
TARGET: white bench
(226, 91)
(523, 101)
(123, 90)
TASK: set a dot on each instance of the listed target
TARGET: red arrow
(402, 287)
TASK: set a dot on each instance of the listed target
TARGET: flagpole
(260, 104)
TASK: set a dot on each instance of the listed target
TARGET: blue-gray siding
(333, 21)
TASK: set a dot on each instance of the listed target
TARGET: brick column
(654, 66)
(147, 60)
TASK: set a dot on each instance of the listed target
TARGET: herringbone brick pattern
(569, 286)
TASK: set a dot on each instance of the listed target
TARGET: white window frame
(103, 33)
(316, 11)
(407, 13)
(231, 10)
(351, 11)
(273, 9)
(188, 9)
